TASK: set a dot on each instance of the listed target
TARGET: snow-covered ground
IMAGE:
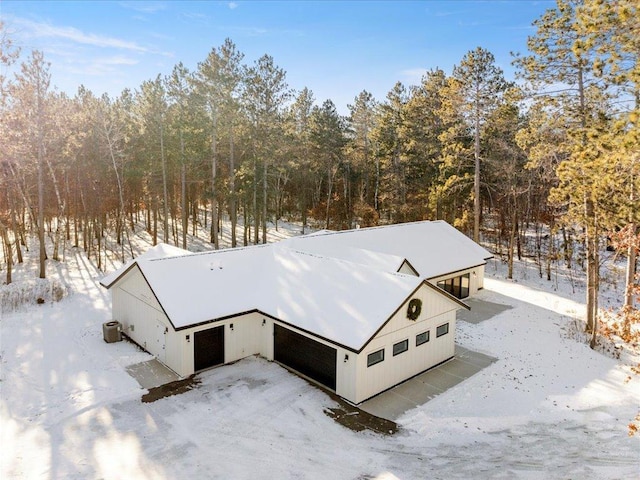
(550, 407)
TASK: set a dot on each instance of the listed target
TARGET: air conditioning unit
(112, 331)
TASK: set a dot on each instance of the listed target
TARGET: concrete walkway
(151, 374)
(422, 388)
(481, 310)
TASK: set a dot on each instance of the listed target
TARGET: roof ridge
(374, 227)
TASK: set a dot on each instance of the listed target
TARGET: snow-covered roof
(161, 250)
(341, 286)
(341, 301)
(433, 248)
(382, 261)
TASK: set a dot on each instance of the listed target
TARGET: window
(422, 338)
(400, 347)
(457, 286)
(375, 357)
(442, 330)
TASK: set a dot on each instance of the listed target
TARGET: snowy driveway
(426, 386)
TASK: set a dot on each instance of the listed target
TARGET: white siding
(407, 269)
(436, 310)
(347, 369)
(142, 318)
(477, 280)
(246, 338)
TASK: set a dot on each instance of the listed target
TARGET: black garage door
(311, 358)
(208, 348)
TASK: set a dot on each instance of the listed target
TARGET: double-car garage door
(309, 357)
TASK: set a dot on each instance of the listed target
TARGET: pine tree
(389, 149)
(481, 85)
(31, 110)
(559, 56)
(217, 83)
(420, 134)
(299, 130)
(451, 194)
(361, 152)
(179, 94)
(265, 95)
(328, 140)
(612, 31)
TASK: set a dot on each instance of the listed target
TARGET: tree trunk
(15, 227)
(183, 183)
(631, 266)
(512, 240)
(566, 247)
(264, 201)
(476, 181)
(165, 200)
(43, 253)
(255, 202)
(214, 200)
(631, 248)
(8, 254)
(329, 194)
(376, 206)
(56, 189)
(591, 241)
(233, 213)
(155, 222)
(245, 224)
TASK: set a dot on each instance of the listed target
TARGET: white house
(352, 317)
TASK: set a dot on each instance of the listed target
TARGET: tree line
(556, 152)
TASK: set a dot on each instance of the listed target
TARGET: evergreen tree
(559, 56)
(32, 120)
(264, 98)
(389, 146)
(481, 85)
(328, 140)
(361, 152)
(420, 135)
(299, 132)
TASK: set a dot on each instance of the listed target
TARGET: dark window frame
(426, 335)
(371, 363)
(439, 332)
(456, 286)
(404, 343)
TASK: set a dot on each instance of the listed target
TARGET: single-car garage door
(311, 358)
(208, 348)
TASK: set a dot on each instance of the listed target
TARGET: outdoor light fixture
(264, 321)
(231, 325)
(188, 339)
(346, 358)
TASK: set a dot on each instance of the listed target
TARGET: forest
(531, 167)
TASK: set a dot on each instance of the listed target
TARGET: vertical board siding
(436, 310)
(246, 338)
(346, 370)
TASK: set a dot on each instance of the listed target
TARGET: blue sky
(335, 48)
